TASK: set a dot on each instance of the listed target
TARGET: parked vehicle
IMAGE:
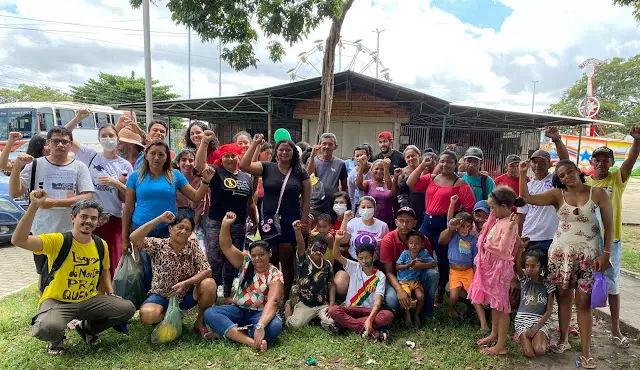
(10, 211)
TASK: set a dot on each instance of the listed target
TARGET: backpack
(483, 185)
(32, 185)
(64, 253)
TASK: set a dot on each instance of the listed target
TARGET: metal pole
(579, 145)
(147, 62)
(378, 49)
(533, 99)
(220, 68)
(269, 118)
(339, 57)
(444, 122)
(189, 30)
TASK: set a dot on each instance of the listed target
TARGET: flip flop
(86, 336)
(385, 336)
(587, 363)
(574, 330)
(55, 349)
(622, 342)
(560, 348)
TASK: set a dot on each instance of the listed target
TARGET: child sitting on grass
(410, 265)
(462, 250)
(316, 291)
(536, 302)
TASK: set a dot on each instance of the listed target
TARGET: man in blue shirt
(482, 185)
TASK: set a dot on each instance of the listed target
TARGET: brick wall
(360, 105)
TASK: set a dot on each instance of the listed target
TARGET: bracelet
(556, 140)
(607, 252)
(206, 183)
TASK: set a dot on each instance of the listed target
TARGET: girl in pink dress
(497, 245)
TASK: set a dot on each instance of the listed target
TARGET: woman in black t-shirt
(231, 191)
(292, 206)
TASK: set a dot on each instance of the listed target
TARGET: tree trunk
(328, 62)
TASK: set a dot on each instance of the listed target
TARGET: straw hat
(127, 136)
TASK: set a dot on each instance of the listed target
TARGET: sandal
(335, 329)
(587, 363)
(622, 342)
(384, 336)
(86, 336)
(206, 333)
(574, 330)
(55, 349)
(560, 348)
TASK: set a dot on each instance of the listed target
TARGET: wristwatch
(556, 140)
(259, 326)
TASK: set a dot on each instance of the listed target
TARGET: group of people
(311, 237)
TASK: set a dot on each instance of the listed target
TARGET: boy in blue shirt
(462, 252)
(410, 265)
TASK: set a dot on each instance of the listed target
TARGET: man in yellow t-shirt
(81, 287)
(614, 183)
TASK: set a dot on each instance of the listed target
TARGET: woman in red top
(439, 189)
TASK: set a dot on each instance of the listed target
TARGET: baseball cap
(408, 210)
(473, 152)
(603, 150)
(541, 154)
(482, 205)
(385, 135)
(512, 158)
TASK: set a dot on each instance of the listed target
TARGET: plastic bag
(128, 282)
(317, 192)
(170, 328)
(599, 293)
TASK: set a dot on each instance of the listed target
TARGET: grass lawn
(631, 248)
(444, 344)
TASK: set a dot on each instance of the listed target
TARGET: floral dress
(575, 246)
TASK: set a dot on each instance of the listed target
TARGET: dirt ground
(603, 350)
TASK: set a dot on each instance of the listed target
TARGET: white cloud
(424, 48)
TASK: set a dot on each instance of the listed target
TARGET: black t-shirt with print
(313, 281)
(397, 160)
(272, 180)
(230, 193)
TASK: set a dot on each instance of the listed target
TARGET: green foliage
(234, 22)
(110, 89)
(634, 3)
(32, 93)
(616, 85)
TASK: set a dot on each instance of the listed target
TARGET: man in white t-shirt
(65, 180)
(540, 223)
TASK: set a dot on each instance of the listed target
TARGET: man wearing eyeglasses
(63, 178)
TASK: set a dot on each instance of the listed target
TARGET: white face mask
(109, 144)
(366, 213)
(339, 209)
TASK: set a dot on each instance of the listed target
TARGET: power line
(85, 32)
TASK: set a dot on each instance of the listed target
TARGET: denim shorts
(188, 301)
(612, 274)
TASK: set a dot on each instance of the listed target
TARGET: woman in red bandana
(231, 191)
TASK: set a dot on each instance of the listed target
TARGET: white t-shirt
(361, 233)
(541, 222)
(60, 182)
(357, 279)
(101, 166)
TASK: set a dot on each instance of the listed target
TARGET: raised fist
(167, 217)
(229, 218)
(14, 136)
(258, 138)
(523, 166)
(208, 136)
(552, 133)
(397, 172)
(635, 132)
(83, 113)
(454, 198)
(207, 174)
(38, 197)
(24, 159)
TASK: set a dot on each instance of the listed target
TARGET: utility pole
(378, 32)
(189, 30)
(147, 62)
(533, 98)
(220, 68)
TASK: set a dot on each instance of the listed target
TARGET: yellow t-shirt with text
(76, 280)
(614, 187)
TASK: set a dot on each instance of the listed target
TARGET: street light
(533, 98)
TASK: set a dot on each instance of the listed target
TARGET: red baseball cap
(385, 135)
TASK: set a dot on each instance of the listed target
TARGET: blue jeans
(222, 318)
(429, 280)
(544, 244)
(145, 260)
(188, 301)
(431, 227)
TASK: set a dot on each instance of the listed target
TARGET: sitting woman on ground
(180, 270)
(151, 190)
(380, 188)
(108, 172)
(251, 319)
(362, 310)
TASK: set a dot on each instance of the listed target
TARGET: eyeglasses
(57, 142)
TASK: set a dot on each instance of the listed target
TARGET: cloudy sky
(480, 52)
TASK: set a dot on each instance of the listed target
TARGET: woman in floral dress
(574, 254)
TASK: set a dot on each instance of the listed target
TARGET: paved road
(16, 269)
(629, 298)
(630, 201)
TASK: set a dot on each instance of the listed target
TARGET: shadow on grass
(441, 344)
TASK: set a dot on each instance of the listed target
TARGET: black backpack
(64, 253)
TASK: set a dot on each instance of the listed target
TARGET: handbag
(599, 293)
(270, 226)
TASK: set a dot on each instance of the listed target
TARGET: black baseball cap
(408, 210)
(512, 158)
(603, 150)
